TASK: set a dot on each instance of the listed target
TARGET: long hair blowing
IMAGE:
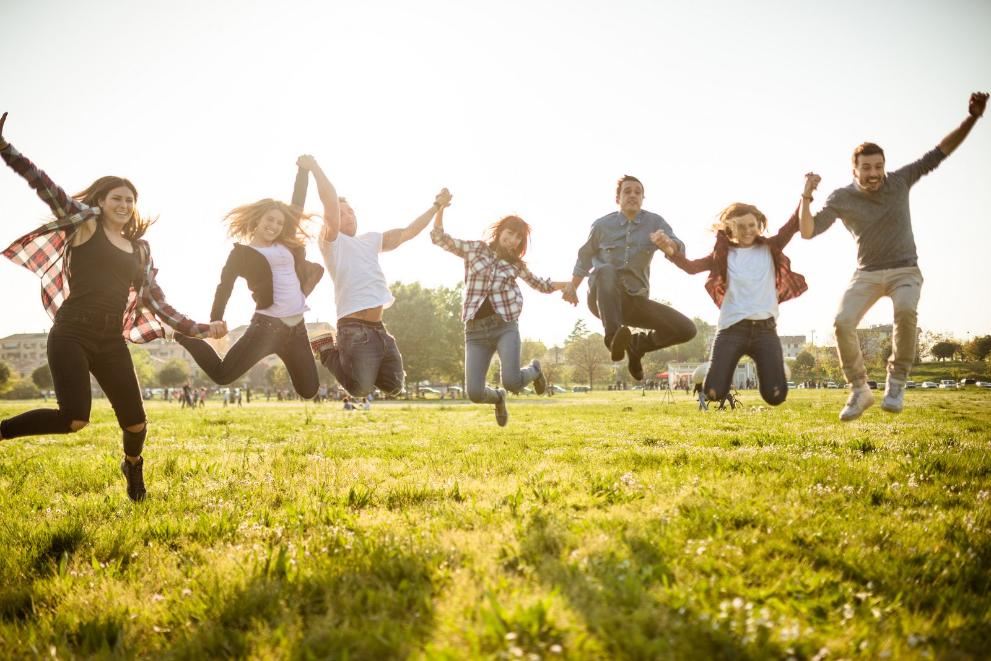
(97, 191)
(242, 221)
(725, 223)
(516, 224)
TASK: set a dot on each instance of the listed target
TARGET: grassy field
(606, 525)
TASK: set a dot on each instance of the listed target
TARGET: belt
(768, 323)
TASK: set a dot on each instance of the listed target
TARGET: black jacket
(246, 262)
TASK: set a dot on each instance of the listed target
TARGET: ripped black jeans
(757, 339)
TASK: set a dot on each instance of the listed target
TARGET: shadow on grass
(362, 598)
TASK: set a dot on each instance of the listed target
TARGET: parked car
(926, 385)
(580, 389)
(968, 382)
(872, 385)
(427, 392)
(911, 384)
(831, 384)
(558, 389)
(984, 384)
(790, 384)
(948, 384)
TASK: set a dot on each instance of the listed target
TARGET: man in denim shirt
(617, 258)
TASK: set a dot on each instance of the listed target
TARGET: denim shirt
(624, 244)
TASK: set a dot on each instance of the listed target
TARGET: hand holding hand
(664, 242)
(217, 329)
(443, 198)
(811, 183)
(978, 102)
(570, 294)
(307, 162)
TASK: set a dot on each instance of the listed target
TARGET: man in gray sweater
(875, 210)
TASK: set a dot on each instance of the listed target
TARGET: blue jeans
(265, 335)
(483, 338)
(757, 339)
(365, 357)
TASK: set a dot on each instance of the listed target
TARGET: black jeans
(664, 325)
(757, 339)
(365, 357)
(265, 335)
(81, 343)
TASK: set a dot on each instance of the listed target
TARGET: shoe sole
(620, 342)
(891, 409)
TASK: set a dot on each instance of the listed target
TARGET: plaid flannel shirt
(43, 251)
(489, 276)
(788, 284)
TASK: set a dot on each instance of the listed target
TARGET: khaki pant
(903, 286)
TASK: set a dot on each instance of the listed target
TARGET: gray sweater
(880, 222)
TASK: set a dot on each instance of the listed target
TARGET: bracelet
(807, 197)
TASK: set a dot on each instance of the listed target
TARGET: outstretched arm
(975, 108)
(328, 196)
(676, 253)
(806, 222)
(395, 238)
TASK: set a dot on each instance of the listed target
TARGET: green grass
(606, 525)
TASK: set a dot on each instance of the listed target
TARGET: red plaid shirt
(489, 276)
(43, 250)
(788, 283)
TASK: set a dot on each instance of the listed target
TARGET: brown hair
(97, 191)
(736, 210)
(622, 180)
(866, 149)
(516, 224)
(242, 221)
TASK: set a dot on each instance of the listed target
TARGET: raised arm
(328, 196)
(806, 222)
(60, 203)
(392, 239)
(975, 109)
(444, 240)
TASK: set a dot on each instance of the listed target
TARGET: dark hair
(866, 149)
(516, 224)
(624, 179)
(97, 191)
(736, 210)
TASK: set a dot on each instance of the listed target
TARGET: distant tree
(277, 377)
(945, 349)
(532, 349)
(586, 353)
(4, 373)
(144, 367)
(173, 373)
(427, 326)
(979, 348)
(803, 366)
(42, 377)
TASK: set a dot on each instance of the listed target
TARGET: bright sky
(533, 108)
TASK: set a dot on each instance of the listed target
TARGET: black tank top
(100, 275)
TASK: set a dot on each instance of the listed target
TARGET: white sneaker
(859, 401)
(894, 396)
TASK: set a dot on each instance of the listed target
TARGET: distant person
(492, 307)
(875, 210)
(616, 258)
(748, 276)
(364, 355)
(109, 296)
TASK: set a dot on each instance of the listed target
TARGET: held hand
(306, 162)
(978, 102)
(570, 294)
(217, 329)
(811, 183)
(664, 242)
(443, 198)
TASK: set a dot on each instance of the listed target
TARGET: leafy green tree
(979, 348)
(586, 353)
(945, 349)
(277, 377)
(144, 367)
(427, 326)
(4, 373)
(42, 377)
(173, 373)
(803, 367)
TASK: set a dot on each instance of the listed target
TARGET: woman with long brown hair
(270, 255)
(492, 306)
(98, 285)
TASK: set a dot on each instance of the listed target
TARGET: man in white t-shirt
(365, 355)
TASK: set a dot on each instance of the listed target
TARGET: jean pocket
(352, 336)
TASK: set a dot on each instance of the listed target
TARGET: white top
(353, 264)
(287, 294)
(750, 292)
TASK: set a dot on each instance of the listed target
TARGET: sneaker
(620, 341)
(322, 342)
(502, 413)
(634, 363)
(859, 401)
(134, 473)
(894, 396)
(540, 383)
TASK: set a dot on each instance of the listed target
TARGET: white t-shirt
(751, 292)
(287, 294)
(353, 264)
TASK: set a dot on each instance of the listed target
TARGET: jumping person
(875, 210)
(364, 355)
(617, 254)
(98, 285)
(748, 276)
(271, 257)
(492, 306)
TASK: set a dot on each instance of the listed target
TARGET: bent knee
(137, 428)
(513, 385)
(714, 395)
(776, 396)
(690, 331)
(844, 324)
(76, 425)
